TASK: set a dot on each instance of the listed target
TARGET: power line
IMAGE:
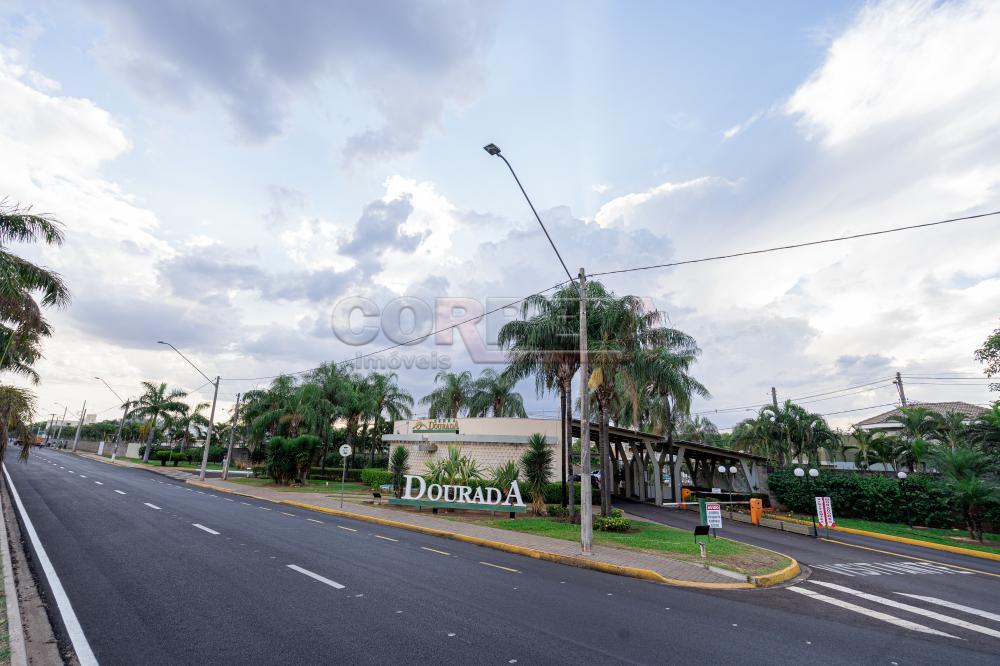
(408, 342)
(846, 388)
(844, 395)
(860, 409)
(798, 245)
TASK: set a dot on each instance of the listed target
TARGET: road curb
(582, 562)
(778, 577)
(898, 539)
(15, 628)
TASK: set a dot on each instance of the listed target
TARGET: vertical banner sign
(820, 512)
(713, 514)
(828, 512)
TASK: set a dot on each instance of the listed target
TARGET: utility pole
(774, 398)
(118, 437)
(208, 439)
(76, 438)
(586, 504)
(232, 433)
(61, 424)
(899, 385)
(48, 428)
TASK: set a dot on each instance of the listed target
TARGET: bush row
(930, 501)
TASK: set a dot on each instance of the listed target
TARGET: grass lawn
(651, 537)
(185, 464)
(314, 486)
(945, 537)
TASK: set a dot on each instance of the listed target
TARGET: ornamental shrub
(176, 457)
(163, 456)
(373, 477)
(612, 523)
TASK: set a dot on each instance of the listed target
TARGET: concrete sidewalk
(604, 558)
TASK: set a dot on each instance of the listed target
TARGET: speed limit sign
(345, 450)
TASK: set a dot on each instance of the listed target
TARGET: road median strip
(767, 580)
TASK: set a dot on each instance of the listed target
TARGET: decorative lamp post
(813, 473)
(901, 475)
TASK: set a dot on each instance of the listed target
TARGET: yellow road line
(497, 566)
(435, 550)
(909, 557)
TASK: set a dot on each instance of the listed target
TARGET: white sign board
(345, 450)
(713, 513)
(824, 511)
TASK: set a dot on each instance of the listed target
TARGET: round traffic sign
(345, 450)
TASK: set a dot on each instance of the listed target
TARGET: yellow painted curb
(898, 539)
(633, 572)
(771, 579)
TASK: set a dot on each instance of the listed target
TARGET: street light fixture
(901, 475)
(121, 424)
(813, 473)
(211, 417)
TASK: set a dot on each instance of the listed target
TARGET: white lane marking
(98, 483)
(246, 503)
(151, 506)
(61, 467)
(885, 617)
(76, 636)
(71, 471)
(313, 520)
(954, 606)
(435, 550)
(888, 568)
(379, 536)
(285, 513)
(228, 500)
(497, 566)
(332, 583)
(82, 476)
(121, 492)
(349, 529)
(202, 527)
(934, 615)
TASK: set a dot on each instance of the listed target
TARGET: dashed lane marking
(497, 566)
(313, 520)
(82, 476)
(878, 615)
(315, 576)
(934, 615)
(379, 536)
(434, 550)
(285, 513)
(202, 527)
(349, 529)
(121, 492)
(98, 483)
(151, 506)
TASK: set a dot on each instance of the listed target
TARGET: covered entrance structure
(645, 467)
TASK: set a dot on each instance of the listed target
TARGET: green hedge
(374, 477)
(872, 497)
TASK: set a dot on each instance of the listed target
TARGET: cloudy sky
(229, 173)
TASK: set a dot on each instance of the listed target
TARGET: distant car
(595, 479)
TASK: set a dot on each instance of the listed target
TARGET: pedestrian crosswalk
(926, 618)
(890, 568)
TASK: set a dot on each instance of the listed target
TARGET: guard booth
(644, 466)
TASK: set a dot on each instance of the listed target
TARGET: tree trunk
(568, 391)
(149, 439)
(562, 436)
(602, 437)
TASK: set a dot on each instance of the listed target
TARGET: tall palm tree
(389, 398)
(452, 397)
(155, 402)
(918, 424)
(863, 440)
(191, 418)
(965, 470)
(952, 429)
(493, 393)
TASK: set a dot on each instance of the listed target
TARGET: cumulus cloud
(410, 61)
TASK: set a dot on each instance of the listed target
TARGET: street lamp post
(901, 475)
(121, 424)
(586, 509)
(813, 473)
(211, 416)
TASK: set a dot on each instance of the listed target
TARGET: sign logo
(436, 425)
(713, 514)
(436, 492)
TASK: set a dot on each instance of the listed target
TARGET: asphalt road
(158, 572)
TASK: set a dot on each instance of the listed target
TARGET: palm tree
(452, 397)
(493, 393)
(191, 418)
(399, 465)
(455, 469)
(389, 398)
(16, 408)
(917, 424)
(863, 440)
(964, 470)
(155, 402)
(537, 465)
